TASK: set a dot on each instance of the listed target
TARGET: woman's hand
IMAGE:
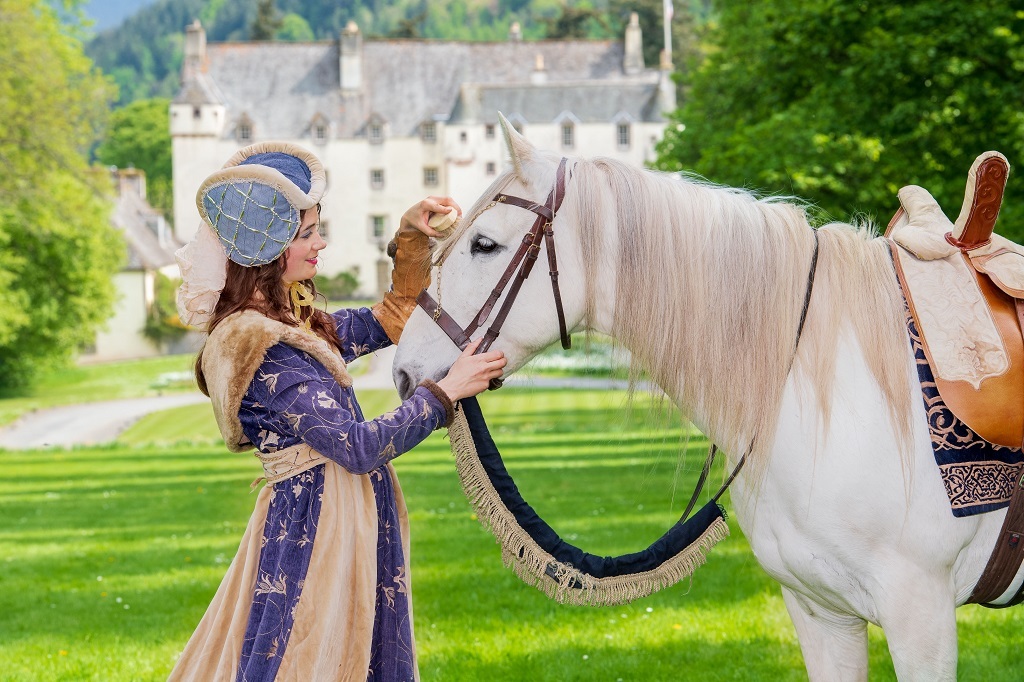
(471, 374)
(418, 214)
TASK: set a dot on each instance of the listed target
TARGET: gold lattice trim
(563, 582)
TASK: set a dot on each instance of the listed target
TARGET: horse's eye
(484, 245)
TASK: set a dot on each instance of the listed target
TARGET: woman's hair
(241, 287)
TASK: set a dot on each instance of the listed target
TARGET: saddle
(964, 287)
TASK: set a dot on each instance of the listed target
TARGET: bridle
(515, 274)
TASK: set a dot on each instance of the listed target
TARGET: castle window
(491, 168)
(377, 223)
(377, 178)
(430, 177)
(197, 112)
(325, 231)
(320, 132)
(376, 133)
(462, 136)
(244, 132)
(623, 135)
(568, 135)
(429, 132)
(489, 131)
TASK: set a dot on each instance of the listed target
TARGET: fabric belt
(286, 463)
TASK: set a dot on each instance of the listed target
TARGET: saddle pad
(979, 477)
(971, 337)
(963, 340)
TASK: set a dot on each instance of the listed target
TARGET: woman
(319, 589)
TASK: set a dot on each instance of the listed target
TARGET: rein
(796, 345)
(524, 259)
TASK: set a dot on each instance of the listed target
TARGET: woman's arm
(309, 411)
(360, 332)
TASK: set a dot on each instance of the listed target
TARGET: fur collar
(233, 353)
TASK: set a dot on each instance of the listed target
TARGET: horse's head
(471, 262)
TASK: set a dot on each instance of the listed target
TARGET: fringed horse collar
(520, 267)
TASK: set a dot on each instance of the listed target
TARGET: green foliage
(58, 251)
(337, 288)
(842, 103)
(575, 22)
(294, 29)
(267, 21)
(162, 322)
(138, 136)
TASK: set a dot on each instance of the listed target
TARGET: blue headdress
(253, 203)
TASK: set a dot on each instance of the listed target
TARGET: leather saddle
(964, 286)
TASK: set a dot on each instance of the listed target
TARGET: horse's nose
(404, 383)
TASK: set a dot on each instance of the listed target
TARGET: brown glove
(410, 250)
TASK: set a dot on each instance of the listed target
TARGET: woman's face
(300, 258)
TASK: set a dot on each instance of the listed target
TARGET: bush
(337, 288)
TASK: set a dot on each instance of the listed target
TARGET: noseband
(517, 271)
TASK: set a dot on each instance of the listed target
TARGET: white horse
(841, 499)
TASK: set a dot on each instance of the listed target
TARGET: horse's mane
(711, 281)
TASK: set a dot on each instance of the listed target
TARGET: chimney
(515, 32)
(351, 58)
(195, 51)
(633, 60)
(539, 75)
(130, 181)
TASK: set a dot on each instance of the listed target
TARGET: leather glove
(410, 251)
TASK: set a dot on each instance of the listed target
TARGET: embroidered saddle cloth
(963, 286)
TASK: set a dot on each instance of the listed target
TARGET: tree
(139, 137)
(58, 250)
(267, 21)
(843, 103)
(294, 29)
(574, 22)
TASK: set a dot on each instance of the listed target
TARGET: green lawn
(112, 554)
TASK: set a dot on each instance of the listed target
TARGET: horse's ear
(519, 148)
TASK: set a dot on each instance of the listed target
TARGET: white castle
(397, 120)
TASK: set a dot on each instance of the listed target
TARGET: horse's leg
(919, 621)
(835, 646)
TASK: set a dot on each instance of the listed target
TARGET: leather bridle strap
(515, 273)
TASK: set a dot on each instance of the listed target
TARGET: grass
(111, 555)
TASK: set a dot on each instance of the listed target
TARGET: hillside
(143, 54)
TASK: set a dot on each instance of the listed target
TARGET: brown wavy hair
(260, 288)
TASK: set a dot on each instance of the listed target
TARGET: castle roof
(281, 87)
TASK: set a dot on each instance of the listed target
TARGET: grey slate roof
(282, 86)
(139, 222)
(587, 102)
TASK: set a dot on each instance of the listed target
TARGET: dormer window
(197, 112)
(375, 131)
(622, 136)
(243, 131)
(429, 132)
(319, 129)
(568, 135)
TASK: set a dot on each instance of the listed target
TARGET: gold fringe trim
(560, 581)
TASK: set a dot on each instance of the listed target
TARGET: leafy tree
(58, 250)
(267, 22)
(845, 102)
(139, 137)
(294, 29)
(576, 21)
